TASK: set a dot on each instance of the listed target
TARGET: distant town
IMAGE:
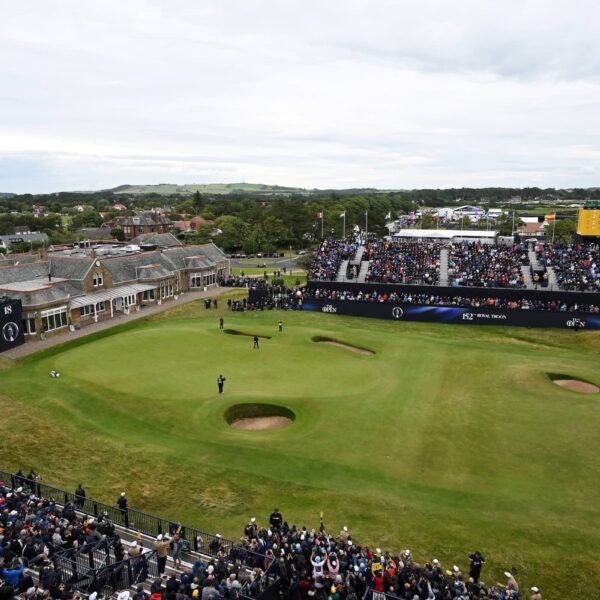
(253, 218)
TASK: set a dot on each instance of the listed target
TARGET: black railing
(135, 520)
(372, 594)
(95, 568)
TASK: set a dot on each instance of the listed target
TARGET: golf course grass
(446, 440)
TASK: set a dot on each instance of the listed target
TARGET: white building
(449, 236)
(474, 213)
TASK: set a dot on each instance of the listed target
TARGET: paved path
(118, 319)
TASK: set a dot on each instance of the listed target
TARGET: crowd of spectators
(576, 266)
(242, 281)
(474, 264)
(316, 564)
(32, 530)
(329, 257)
(402, 262)
(438, 300)
(311, 564)
(277, 297)
(470, 264)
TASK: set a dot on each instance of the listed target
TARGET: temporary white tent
(446, 235)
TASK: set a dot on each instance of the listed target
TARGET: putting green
(448, 439)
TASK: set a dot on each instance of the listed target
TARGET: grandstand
(56, 538)
(57, 544)
(478, 264)
(500, 280)
(574, 267)
(396, 262)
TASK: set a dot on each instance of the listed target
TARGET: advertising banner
(588, 222)
(454, 314)
(11, 324)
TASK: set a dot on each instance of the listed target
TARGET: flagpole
(322, 215)
(513, 225)
(553, 226)
(344, 226)
(366, 225)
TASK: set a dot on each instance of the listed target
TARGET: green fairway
(448, 439)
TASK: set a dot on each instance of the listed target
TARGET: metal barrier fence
(136, 521)
(372, 594)
(96, 568)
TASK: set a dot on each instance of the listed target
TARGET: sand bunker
(256, 416)
(236, 332)
(262, 423)
(331, 342)
(576, 385)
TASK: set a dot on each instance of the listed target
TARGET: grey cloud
(386, 94)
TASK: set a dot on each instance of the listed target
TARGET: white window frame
(129, 301)
(28, 320)
(196, 277)
(52, 313)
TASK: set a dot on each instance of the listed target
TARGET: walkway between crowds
(118, 319)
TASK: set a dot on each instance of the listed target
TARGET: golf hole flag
(319, 215)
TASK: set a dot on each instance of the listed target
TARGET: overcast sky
(313, 93)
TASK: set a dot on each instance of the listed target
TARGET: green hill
(207, 188)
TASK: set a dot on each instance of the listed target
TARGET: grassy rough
(447, 440)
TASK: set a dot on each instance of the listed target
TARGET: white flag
(388, 216)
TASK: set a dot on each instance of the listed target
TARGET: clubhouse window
(98, 279)
(209, 277)
(89, 309)
(55, 318)
(148, 295)
(195, 280)
(29, 325)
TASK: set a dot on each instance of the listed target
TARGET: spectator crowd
(329, 257)
(576, 266)
(474, 264)
(439, 300)
(310, 564)
(402, 263)
(317, 564)
(242, 281)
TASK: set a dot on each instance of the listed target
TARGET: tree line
(253, 222)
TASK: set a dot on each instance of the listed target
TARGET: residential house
(145, 223)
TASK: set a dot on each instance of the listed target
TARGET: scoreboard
(588, 222)
(11, 324)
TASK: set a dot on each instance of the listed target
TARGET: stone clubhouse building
(62, 292)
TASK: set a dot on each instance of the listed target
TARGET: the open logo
(10, 332)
